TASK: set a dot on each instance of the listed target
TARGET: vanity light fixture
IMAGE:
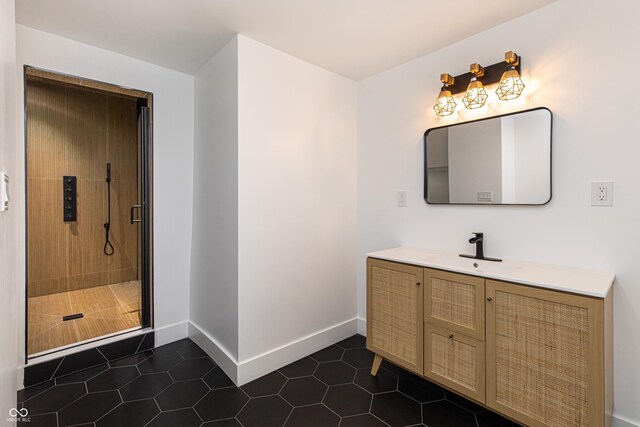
(445, 104)
(511, 85)
(476, 96)
(506, 73)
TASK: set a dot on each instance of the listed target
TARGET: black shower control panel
(70, 202)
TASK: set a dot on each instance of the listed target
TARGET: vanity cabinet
(542, 357)
(394, 307)
(546, 356)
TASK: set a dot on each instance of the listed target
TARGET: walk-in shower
(87, 169)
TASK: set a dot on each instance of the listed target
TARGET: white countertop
(566, 279)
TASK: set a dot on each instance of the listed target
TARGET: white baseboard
(267, 362)
(362, 326)
(227, 362)
(623, 422)
(251, 369)
(171, 333)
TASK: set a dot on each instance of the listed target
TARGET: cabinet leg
(377, 361)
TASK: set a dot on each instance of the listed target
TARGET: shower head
(108, 172)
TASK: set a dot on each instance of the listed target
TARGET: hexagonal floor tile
(358, 358)
(328, 354)
(266, 385)
(112, 379)
(130, 414)
(347, 399)
(191, 369)
(334, 373)
(218, 379)
(173, 347)
(146, 386)
(231, 422)
(366, 420)
(45, 420)
(383, 382)
(303, 391)
(445, 414)
(82, 376)
(464, 403)
(55, 398)
(221, 403)
(269, 411)
(192, 351)
(89, 408)
(312, 416)
(33, 391)
(420, 389)
(300, 368)
(183, 394)
(159, 363)
(355, 341)
(396, 409)
(491, 419)
(131, 360)
(182, 418)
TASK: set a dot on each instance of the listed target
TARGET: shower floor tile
(106, 309)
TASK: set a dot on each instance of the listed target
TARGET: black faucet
(478, 241)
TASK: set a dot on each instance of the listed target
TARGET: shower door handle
(133, 219)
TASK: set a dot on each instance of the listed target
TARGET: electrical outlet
(602, 193)
(485, 196)
(402, 199)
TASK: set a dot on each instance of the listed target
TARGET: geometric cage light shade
(511, 85)
(445, 104)
(476, 96)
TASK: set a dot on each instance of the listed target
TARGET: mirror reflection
(500, 160)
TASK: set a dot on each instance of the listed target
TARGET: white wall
(214, 253)
(173, 158)
(297, 202)
(530, 162)
(570, 49)
(475, 161)
(9, 220)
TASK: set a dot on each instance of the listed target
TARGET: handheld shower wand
(108, 247)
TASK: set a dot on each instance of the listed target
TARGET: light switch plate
(602, 193)
(4, 192)
(402, 199)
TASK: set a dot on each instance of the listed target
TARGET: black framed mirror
(500, 160)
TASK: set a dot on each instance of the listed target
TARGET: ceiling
(354, 38)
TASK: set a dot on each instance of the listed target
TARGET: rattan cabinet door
(456, 361)
(455, 301)
(394, 313)
(544, 358)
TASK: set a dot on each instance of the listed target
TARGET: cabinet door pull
(451, 336)
(489, 299)
(417, 283)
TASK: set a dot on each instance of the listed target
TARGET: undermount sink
(475, 265)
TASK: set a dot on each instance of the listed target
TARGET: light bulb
(445, 104)
(476, 96)
(511, 85)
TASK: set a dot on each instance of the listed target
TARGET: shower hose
(108, 247)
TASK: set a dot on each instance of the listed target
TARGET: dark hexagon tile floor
(178, 385)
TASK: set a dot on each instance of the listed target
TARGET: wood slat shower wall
(76, 131)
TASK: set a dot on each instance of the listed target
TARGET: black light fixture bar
(492, 74)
